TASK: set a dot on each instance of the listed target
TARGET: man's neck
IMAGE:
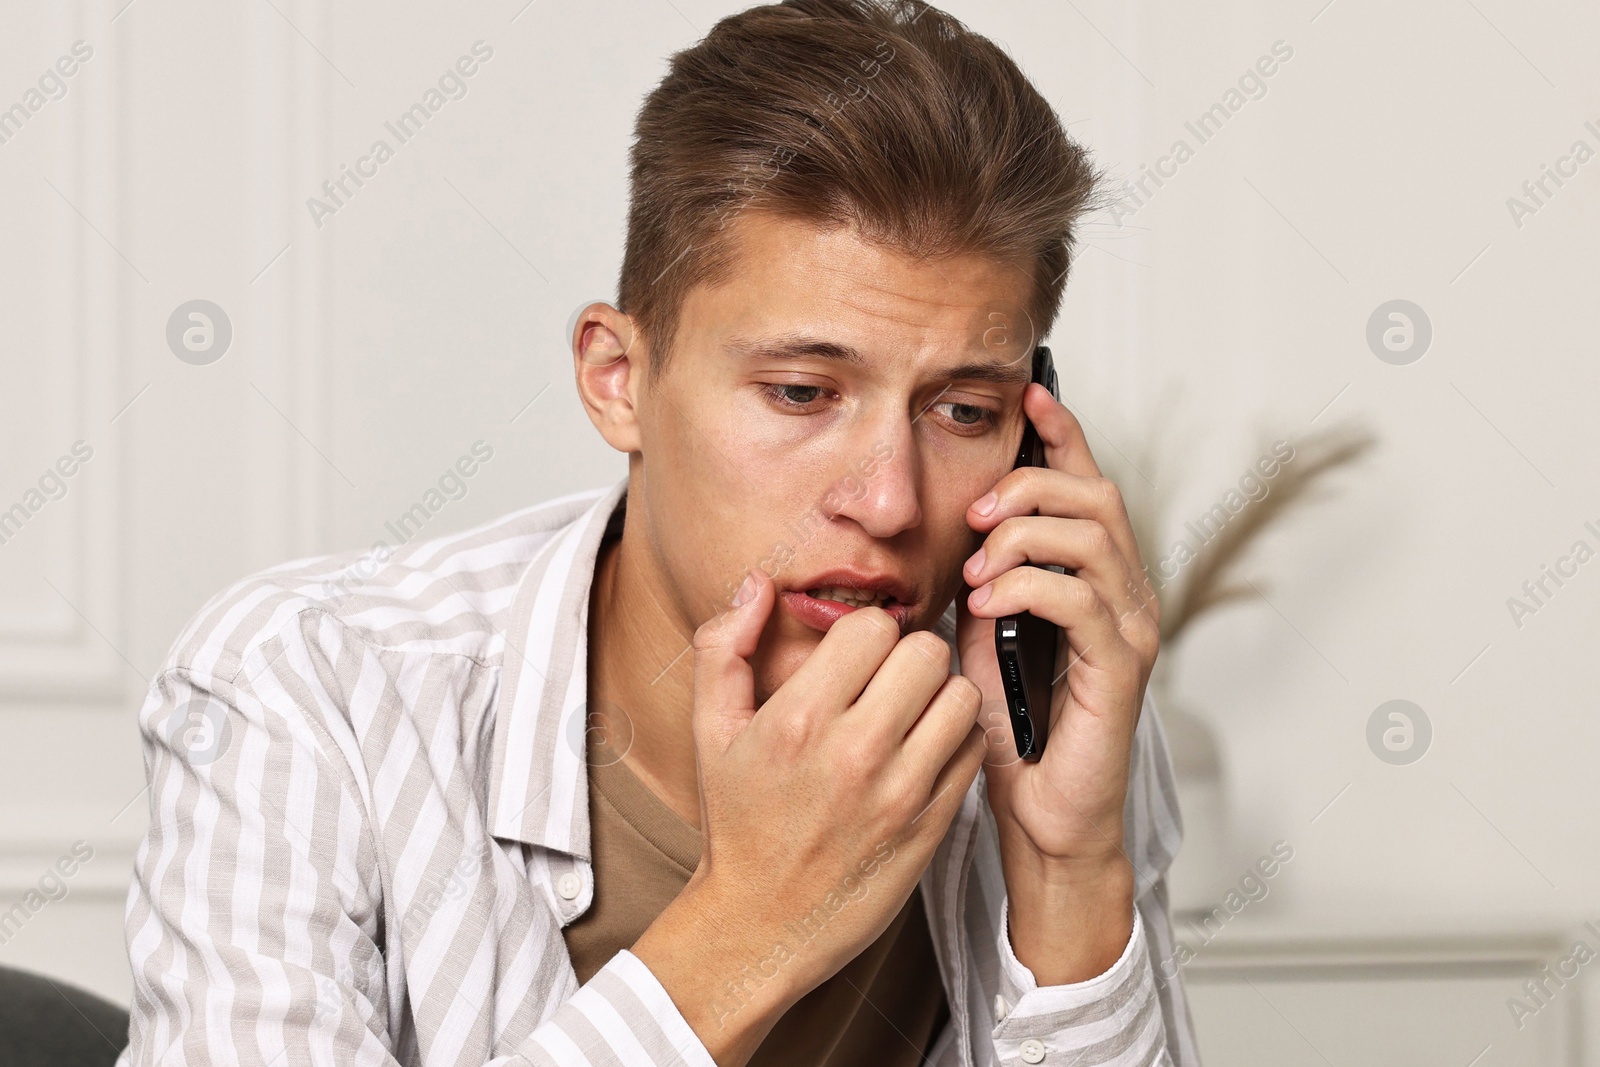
(641, 674)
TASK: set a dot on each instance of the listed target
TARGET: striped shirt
(369, 825)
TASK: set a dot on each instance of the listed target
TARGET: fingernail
(975, 564)
(980, 595)
(746, 591)
(986, 505)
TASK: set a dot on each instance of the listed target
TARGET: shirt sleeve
(250, 924)
(622, 1016)
(1113, 1018)
(254, 917)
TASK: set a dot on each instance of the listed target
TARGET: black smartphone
(1024, 643)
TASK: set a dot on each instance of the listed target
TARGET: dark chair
(48, 1023)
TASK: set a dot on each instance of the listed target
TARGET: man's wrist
(1070, 918)
(720, 977)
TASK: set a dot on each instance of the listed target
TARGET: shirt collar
(538, 785)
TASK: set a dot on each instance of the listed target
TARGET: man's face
(829, 414)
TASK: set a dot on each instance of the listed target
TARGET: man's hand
(1069, 883)
(819, 812)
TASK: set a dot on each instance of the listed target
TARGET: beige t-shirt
(882, 1009)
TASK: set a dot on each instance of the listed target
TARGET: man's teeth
(856, 598)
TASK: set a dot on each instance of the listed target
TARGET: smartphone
(1024, 643)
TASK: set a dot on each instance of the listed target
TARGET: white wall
(370, 351)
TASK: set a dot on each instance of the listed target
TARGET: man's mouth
(856, 598)
(824, 599)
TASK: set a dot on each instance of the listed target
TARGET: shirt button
(570, 885)
(1001, 1010)
(1032, 1051)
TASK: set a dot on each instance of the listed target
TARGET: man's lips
(808, 600)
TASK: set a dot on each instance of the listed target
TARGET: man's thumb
(724, 684)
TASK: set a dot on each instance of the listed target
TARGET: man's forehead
(802, 287)
(810, 256)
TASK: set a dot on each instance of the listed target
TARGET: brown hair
(888, 115)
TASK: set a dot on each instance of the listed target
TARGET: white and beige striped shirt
(369, 825)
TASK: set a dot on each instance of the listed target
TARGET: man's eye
(967, 414)
(797, 396)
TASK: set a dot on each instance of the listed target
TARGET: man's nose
(883, 475)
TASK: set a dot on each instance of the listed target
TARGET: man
(679, 772)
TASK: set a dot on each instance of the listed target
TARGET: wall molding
(57, 652)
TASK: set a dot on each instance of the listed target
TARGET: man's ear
(610, 361)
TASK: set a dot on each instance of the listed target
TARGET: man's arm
(306, 892)
(1111, 1018)
(1127, 1015)
(1063, 822)
(1136, 1010)
(255, 921)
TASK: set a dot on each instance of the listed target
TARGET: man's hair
(886, 115)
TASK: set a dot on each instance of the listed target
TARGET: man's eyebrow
(1010, 372)
(793, 346)
(796, 346)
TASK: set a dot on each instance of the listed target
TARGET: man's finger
(724, 684)
(1072, 604)
(1083, 546)
(850, 653)
(897, 695)
(1037, 491)
(938, 733)
(1065, 446)
(950, 785)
